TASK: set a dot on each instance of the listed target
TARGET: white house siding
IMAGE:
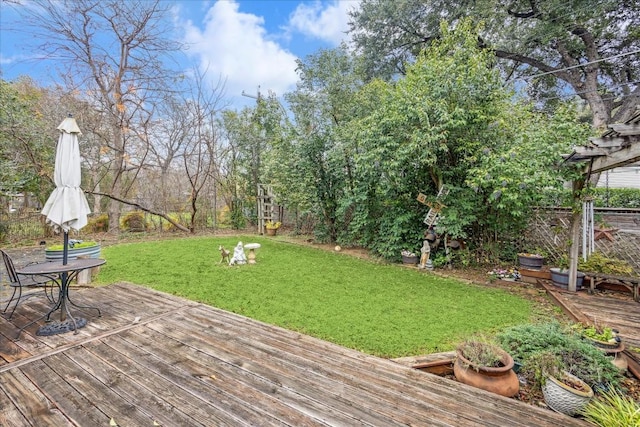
(625, 177)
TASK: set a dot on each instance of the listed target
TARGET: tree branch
(142, 208)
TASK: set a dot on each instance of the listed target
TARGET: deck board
(156, 357)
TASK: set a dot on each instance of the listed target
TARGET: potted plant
(409, 257)
(605, 338)
(531, 260)
(272, 227)
(560, 275)
(483, 364)
(563, 392)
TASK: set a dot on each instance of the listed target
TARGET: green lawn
(382, 309)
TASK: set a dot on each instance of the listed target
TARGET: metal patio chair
(17, 282)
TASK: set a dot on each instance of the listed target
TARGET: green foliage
(616, 197)
(353, 302)
(98, 224)
(4, 230)
(133, 221)
(576, 356)
(238, 220)
(481, 352)
(597, 262)
(612, 409)
(543, 35)
(80, 245)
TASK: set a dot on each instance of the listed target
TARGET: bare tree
(115, 52)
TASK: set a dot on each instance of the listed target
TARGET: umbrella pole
(65, 248)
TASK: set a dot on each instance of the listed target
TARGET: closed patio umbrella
(67, 206)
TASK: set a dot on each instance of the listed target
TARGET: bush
(98, 224)
(525, 342)
(598, 263)
(133, 221)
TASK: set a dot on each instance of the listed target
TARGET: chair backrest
(11, 270)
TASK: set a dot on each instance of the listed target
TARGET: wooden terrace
(153, 357)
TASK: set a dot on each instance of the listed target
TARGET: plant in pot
(409, 257)
(483, 364)
(76, 248)
(560, 274)
(531, 260)
(563, 392)
(272, 227)
(583, 359)
(605, 338)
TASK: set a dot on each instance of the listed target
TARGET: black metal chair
(17, 282)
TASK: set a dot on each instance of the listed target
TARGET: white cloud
(328, 21)
(236, 47)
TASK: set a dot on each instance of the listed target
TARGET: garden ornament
(425, 251)
(224, 254)
(238, 255)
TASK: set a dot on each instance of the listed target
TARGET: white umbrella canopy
(67, 206)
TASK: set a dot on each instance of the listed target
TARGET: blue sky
(249, 43)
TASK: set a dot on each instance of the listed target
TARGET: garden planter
(409, 259)
(565, 398)
(271, 231)
(73, 253)
(501, 380)
(530, 262)
(560, 278)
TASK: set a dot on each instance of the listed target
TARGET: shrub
(578, 357)
(133, 221)
(98, 224)
(599, 263)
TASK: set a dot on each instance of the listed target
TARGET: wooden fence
(549, 230)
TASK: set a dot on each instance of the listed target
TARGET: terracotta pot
(501, 380)
(271, 231)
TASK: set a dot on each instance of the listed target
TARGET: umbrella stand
(66, 208)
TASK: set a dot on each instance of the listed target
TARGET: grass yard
(382, 309)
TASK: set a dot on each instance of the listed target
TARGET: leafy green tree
(584, 47)
(27, 140)
(319, 163)
(450, 122)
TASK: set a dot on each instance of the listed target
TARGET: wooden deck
(615, 310)
(154, 357)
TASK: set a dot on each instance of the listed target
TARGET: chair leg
(15, 289)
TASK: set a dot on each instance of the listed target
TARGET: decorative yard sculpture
(238, 255)
(224, 254)
(431, 240)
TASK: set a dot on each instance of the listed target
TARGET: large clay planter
(562, 398)
(501, 380)
(271, 231)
